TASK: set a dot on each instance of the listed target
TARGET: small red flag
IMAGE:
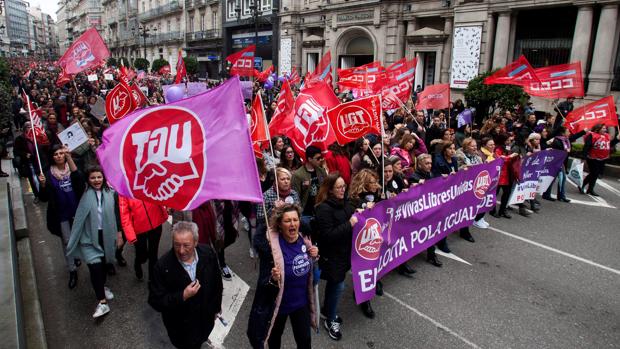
(257, 116)
(323, 70)
(242, 62)
(399, 83)
(602, 111)
(519, 73)
(264, 75)
(119, 102)
(35, 120)
(280, 124)
(355, 119)
(434, 97)
(181, 72)
(88, 51)
(138, 96)
(557, 81)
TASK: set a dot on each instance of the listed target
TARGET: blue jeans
(333, 291)
(561, 177)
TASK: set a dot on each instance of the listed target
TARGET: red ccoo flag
(88, 51)
(399, 83)
(434, 97)
(556, 81)
(181, 71)
(279, 124)
(602, 111)
(138, 96)
(519, 73)
(35, 121)
(242, 62)
(355, 119)
(119, 102)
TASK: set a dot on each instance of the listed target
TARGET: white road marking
(608, 187)
(588, 203)
(431, 320)
(548, 248)
(232, 299)
(451, 256)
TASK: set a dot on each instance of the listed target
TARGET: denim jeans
(561, 177)
(333, 291)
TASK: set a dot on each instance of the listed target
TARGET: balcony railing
(160, 11)
(162, 38)
(203, 35)
(189, 4)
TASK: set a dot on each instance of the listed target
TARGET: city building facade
(489, 34)
(203, 35)
(17, 27)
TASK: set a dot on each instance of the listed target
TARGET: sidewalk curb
(34, 328)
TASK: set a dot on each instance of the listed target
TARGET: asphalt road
(550, 280)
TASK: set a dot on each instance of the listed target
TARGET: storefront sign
(359, 16)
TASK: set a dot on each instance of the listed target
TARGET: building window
(231, 6)
(214, 14)
(313, 60)
(202, 22)
(169, 27)
(191, 24)
(265, 5)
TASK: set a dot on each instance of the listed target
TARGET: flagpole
(382, 150)
(34, 134)
(273, 156)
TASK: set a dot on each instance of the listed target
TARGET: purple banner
(537, 173)
(397, 229)
(193, 88)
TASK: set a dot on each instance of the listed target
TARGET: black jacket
(334, 238)
(188, 322)
(419, 175)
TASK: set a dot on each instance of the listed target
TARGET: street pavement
(550, 280)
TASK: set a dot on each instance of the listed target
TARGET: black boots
(367, 310)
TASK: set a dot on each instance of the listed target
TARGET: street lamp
(144, 31)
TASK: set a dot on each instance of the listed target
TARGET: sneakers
(333, 328)
(252, 253)
(245, 223)
(226, 274)
(324, 317)
(102, 309)
(481, 224)
(108, 294)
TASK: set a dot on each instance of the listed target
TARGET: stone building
(489, 34)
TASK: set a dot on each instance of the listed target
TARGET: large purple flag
(537, 173)
(184, 153)
(397, 229)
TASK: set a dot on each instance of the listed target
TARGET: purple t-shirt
(296, 272)
(65, 198)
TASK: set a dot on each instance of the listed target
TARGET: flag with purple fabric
(465, 117)
(184, 153)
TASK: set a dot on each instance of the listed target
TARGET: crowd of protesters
(301, 235)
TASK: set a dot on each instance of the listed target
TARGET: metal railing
(161, 38)
(160, 11)
(203, 35)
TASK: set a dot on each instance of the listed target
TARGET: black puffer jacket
(334, 238)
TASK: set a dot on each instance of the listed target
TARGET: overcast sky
(47, 6)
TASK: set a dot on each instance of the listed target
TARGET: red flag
(323, 70)
(355, 119)
(138, 96)
(602, 111)
(279, 124)
(35, 120)
(556, 81)
(181, 72)
(63, 78)
(257, 126)
(164, 70)
(88, 51)
(264, 75)
(119, 102)
(307, 124)
(399, 85)
(242, 62)
(434, 97)
(294, 76)
(367, 77)
(519, 73)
